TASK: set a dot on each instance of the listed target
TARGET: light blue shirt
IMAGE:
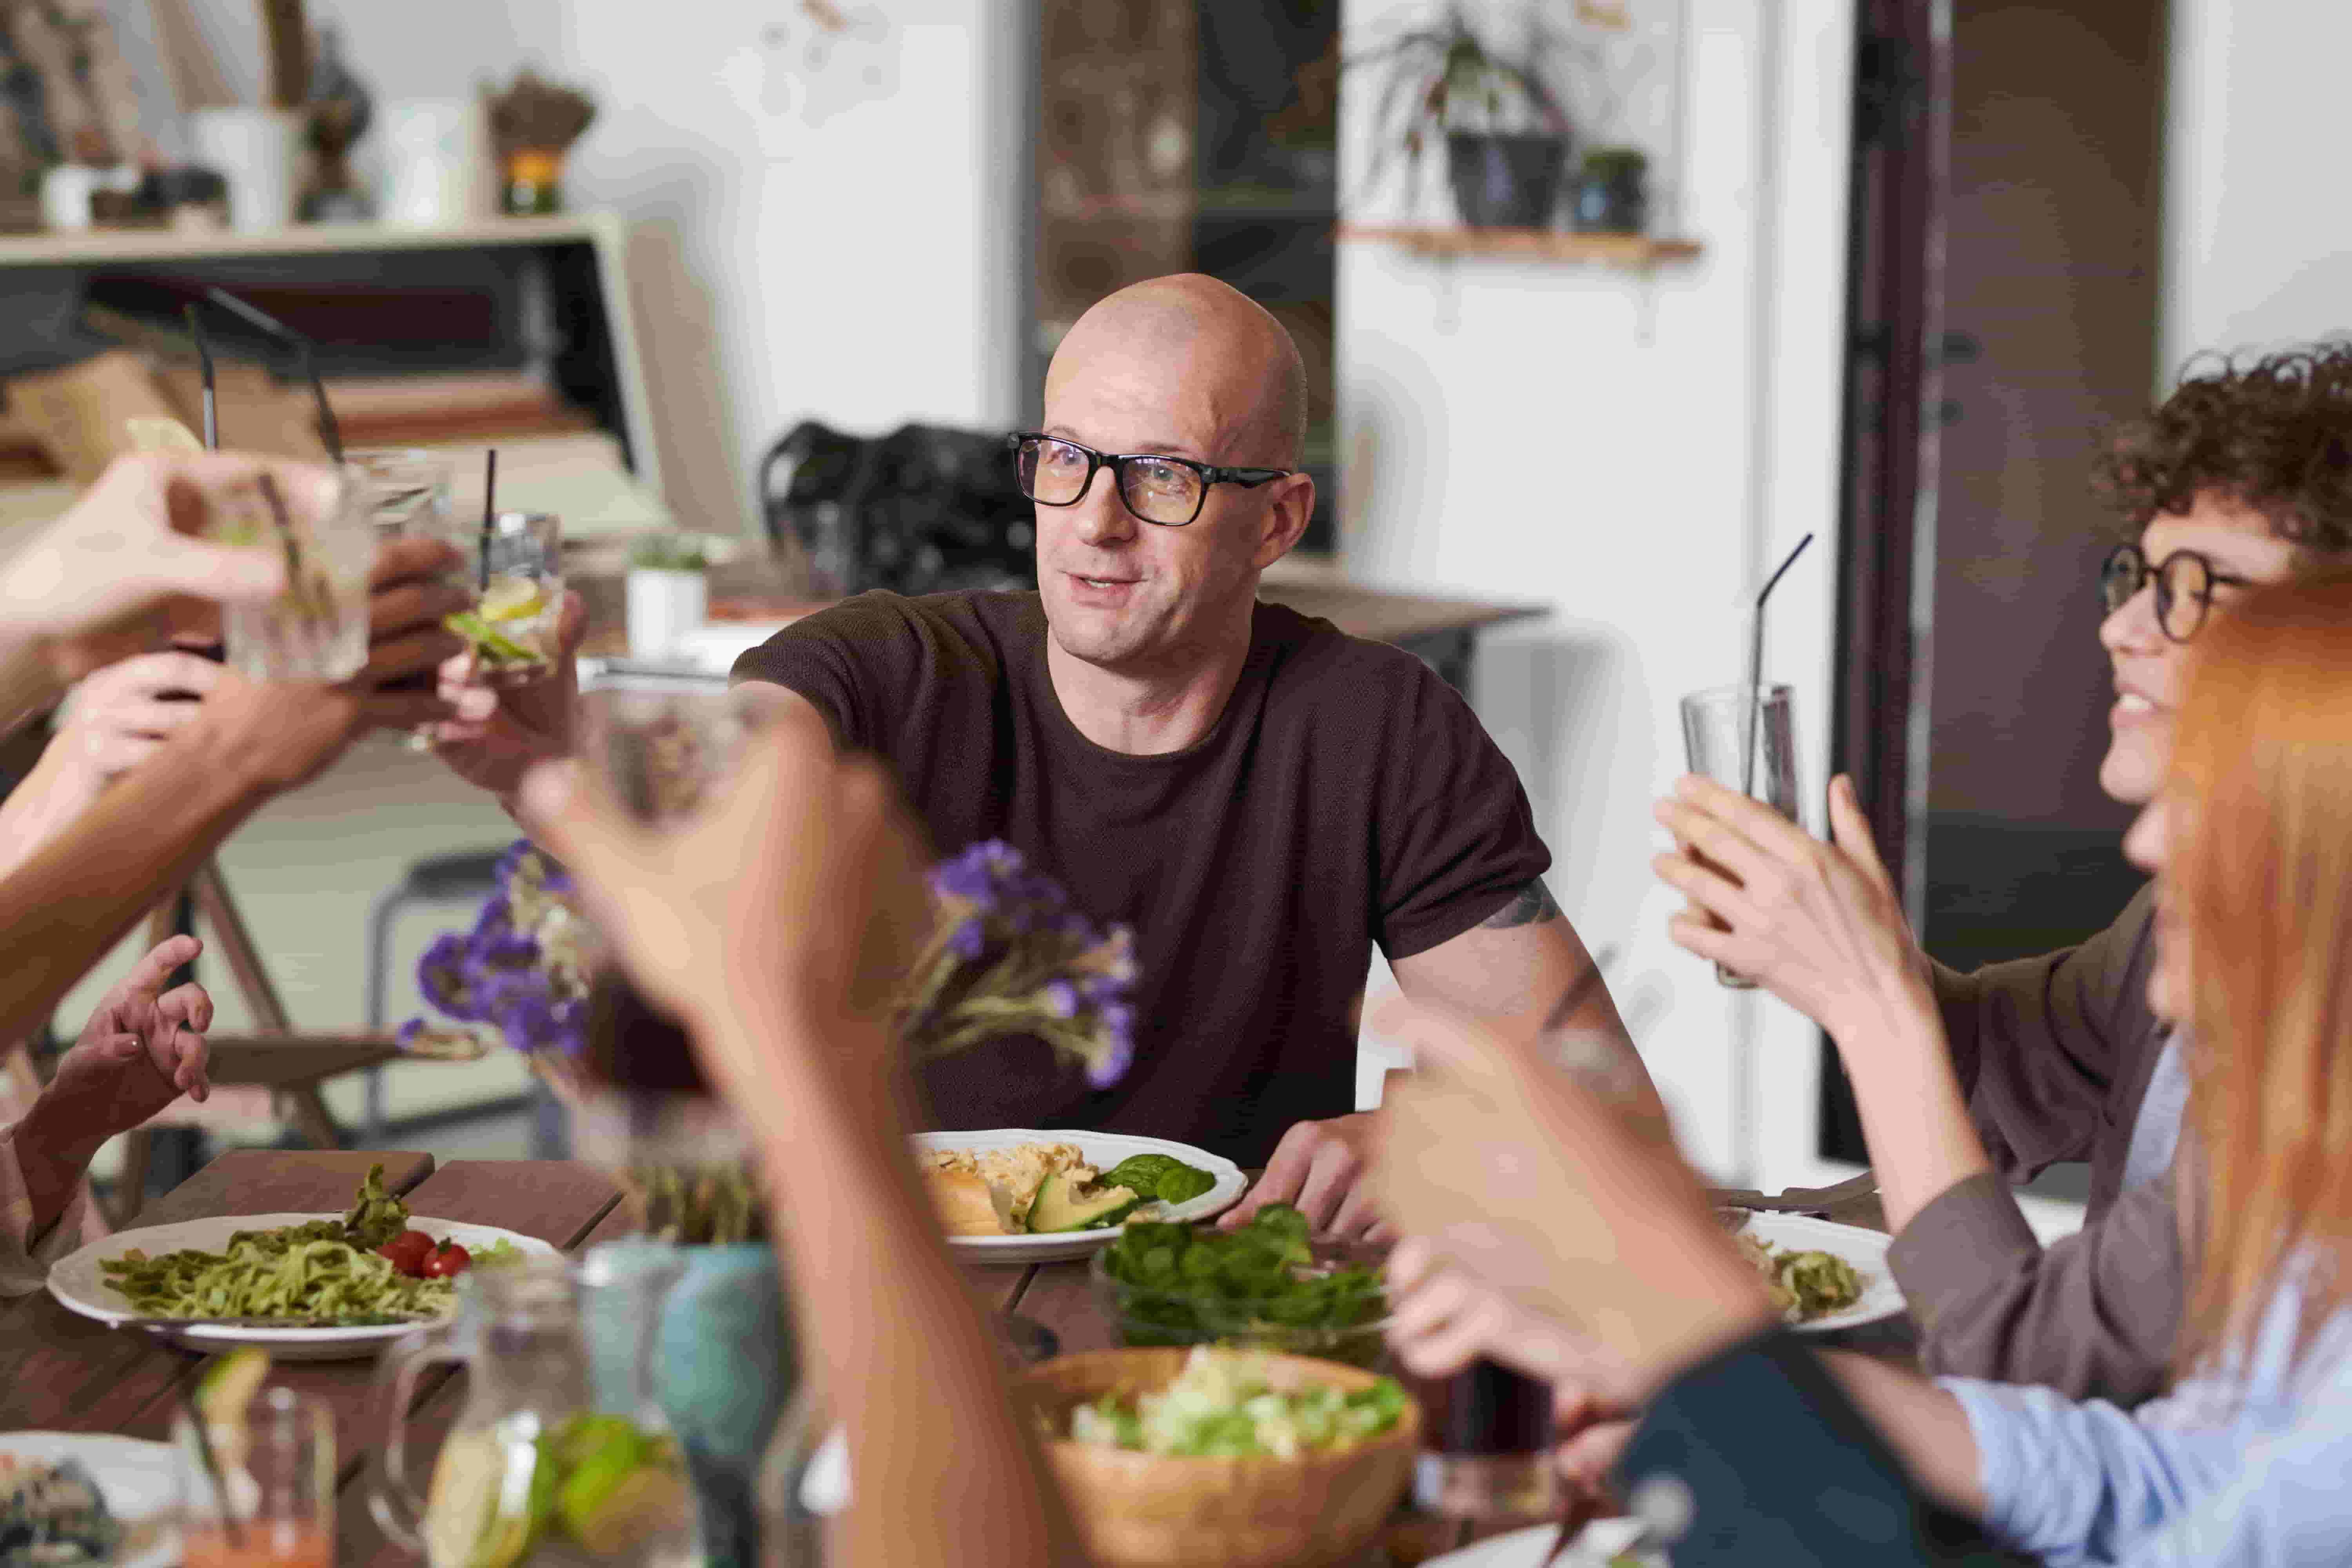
(2244, 1466)
(2157, 1133)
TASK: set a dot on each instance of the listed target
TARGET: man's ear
(1288, 511)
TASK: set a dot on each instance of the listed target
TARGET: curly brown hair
(2274, 434)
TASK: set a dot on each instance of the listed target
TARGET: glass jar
(561, 1453)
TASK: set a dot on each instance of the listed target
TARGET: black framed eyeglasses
(2184, 581)
(1169, 492)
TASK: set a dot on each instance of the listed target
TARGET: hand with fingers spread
(1818, 925)
(1515, 1172)
(1318, 1169)
(493, 735)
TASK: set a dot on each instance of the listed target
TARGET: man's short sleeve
(825, 658)
(1456, 837)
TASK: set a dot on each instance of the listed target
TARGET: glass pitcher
(561, 1455)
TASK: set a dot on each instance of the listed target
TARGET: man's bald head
(1234, 354)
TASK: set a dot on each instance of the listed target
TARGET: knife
(1798, 1200)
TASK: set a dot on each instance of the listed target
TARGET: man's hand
(124, 569)
(273, 735)
(1318, 1168)
(494, 735)
(408, 593)
(795, 897)
(1818, 925)
(1511, 1169)
(141, 1050)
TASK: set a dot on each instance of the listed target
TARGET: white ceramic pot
(662, 607)
(259, 153)
(437, 162)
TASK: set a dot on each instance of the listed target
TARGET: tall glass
(317, 521)
(1742, 737)
(275, 1506)
(516, 568)
(408, 489)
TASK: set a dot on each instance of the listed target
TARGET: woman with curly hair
(1966, 1082)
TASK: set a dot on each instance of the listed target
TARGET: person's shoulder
(976, 624)
(1315, 661)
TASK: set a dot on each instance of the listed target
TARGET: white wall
(809, 247)
(1629, 454)
(2258, 237)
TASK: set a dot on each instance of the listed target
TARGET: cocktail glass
(408, 489)
(317, 520)
(518, 573)
(275, 1504)
(1742, 737)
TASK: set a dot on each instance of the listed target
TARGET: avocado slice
(1060, 1205)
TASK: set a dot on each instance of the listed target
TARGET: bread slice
(967, 1206)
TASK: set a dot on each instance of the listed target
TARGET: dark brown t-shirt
(1346, 796)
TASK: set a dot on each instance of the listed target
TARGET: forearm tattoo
(1529, 906)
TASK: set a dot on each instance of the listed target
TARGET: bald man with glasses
(1260, 796)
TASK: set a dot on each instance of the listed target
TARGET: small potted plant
(1612, 192)
(1506, 130)
(668, 593)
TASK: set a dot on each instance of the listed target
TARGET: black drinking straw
(1756, 672)
(329, 432)
(205, 360)
(489, 511)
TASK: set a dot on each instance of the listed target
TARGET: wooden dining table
(61, 1371)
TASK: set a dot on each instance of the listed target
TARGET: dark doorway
(2004, 314)
(1194, 137)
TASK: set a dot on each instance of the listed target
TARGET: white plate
(136, 1477)
(1865, 1249)
(79, 1285)
(1601, 1539)
(1102, 1150)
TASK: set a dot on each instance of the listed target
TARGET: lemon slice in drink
(512, 599)
(488, 1501)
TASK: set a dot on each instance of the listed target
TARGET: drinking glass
(516, 568)
(316, 521)
(408, 489)
(661, 751)
(1742, 738)
(275, 1506)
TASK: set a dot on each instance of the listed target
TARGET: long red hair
(2258, 885)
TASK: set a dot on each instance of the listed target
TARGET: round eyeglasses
(2184, 581)
(1169, 492)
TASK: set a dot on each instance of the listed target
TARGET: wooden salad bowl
(1146, 1511)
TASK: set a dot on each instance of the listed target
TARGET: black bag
(921, 510)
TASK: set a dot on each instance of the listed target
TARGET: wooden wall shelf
(1630, 250)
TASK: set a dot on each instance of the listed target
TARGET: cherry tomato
(407, 1252)
(447, 1261)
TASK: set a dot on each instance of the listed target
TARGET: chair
(443, 879)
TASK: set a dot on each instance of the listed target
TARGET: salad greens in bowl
(1267, 1285)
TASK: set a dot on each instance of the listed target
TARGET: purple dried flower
(969, 939)
(1060, 999)
(446, 975)
(405, 1035)
(1108, 1066)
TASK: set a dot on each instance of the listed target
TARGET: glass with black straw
(317, 629)
(514, 561)
(1744, 737)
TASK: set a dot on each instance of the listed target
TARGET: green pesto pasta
(310, 1271)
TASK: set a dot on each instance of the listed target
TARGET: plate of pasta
(304, 1287)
